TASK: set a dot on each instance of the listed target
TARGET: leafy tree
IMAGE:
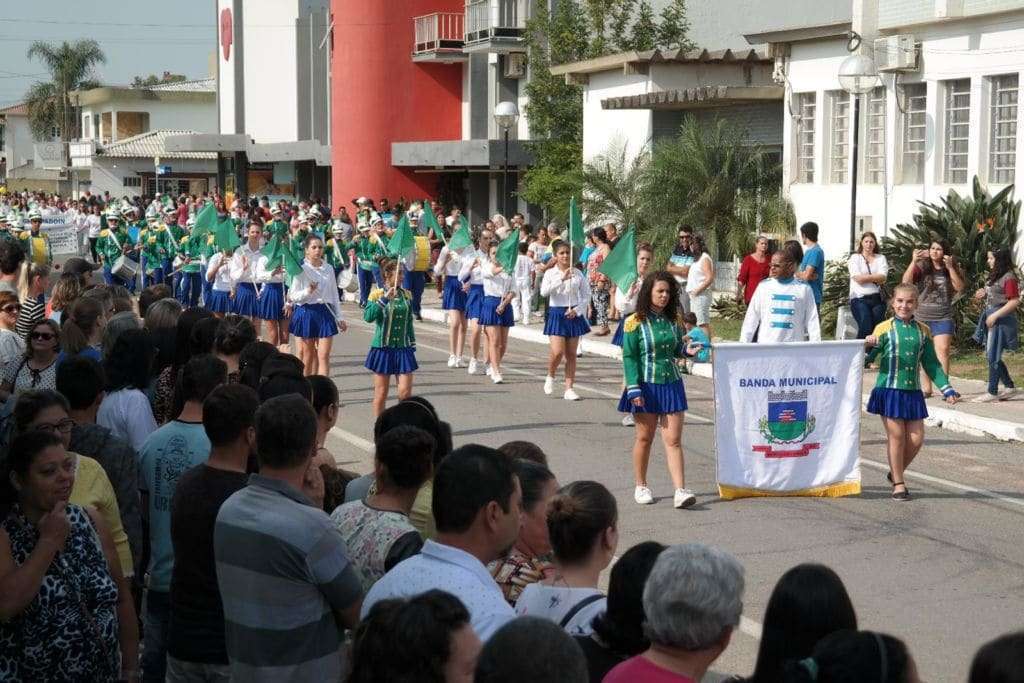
(49, 103)
(153, 79)
(614, 188)
(674, 27)
(644, 34)
(621, 17)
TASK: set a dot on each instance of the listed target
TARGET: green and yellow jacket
(393, 320)
(336, 252)
(903, 347)
(650, 348)
(190, 247)
(368, 250)
(110, 243)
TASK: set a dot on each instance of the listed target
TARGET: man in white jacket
(782, 309)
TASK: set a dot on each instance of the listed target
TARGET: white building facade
(945, 110)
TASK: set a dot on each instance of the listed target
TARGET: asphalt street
(944, 571)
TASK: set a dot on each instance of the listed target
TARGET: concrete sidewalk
(1003, 420)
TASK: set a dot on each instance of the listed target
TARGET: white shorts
(700, 306)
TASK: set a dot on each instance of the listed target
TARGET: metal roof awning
(634, 62)
(696, 98)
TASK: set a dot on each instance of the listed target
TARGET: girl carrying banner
(902, 345)
(393, 349)
(569, 294)
(652, 342)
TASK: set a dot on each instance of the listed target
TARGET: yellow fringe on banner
(846, 488)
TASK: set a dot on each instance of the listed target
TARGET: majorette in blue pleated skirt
(659, 399)
(270, 304)
(557, 325)
(620, 333)
(313, 321)
(489, 316)
(453, 298)
(219, 301)
(900, 404)
(391, 361)
(245, 300)
(474, 301)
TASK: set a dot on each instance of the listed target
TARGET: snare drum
(125, 268)
(345, 279)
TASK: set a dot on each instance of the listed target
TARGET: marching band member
(271, 306)
(453, 301)
(652, 341)
(218, 274)
(317, 314)
(414, 272)
(569, 294)
(113, 243)
(903, 346)
(496, 310)
(243, 273)
(207, 250)
(782, 308)
(190, 284)
(36, 242)
(369, 248)
(471, 276)
(336, 252)
(625, 303)
(393, 349)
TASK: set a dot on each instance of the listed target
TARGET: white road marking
(948, 483)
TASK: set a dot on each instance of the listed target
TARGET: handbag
(881, 288)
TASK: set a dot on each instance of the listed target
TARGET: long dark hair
(808, 603)
(128, 364)
(928, 269)
(643, 301)
(1003, 265)
(621, 626)
(852, 657)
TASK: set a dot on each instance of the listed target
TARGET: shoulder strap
(578, 607)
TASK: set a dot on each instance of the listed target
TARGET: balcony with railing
(496, 25)
(439, 37)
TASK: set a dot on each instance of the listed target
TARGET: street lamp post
(857, 76)
(506, 115)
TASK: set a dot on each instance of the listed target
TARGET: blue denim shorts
(940, 326)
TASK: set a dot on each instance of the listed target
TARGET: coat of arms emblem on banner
(787, 422)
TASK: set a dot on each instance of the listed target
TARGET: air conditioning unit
(515, 65)
(896, 53)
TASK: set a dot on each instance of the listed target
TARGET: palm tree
(71, 68)
(614, 187)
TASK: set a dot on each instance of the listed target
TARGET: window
(874, 138)
(54, 133)
(1002, 157)
(958, 125)
(87, 127)
(132, 181)
(839, 136)
(805, 108)
(915, 99)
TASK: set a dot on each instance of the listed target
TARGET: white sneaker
(496, 377)
(1008, 393)
(487, 369)
(643, 496)
(628, 420)
(460, 361)
(579, 351)
(472, 366)
(549, 385)
(985, 398)
(684, 498)
(571, 395)
(452, 361)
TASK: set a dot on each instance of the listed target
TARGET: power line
(210, 25)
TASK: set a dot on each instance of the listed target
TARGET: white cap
(275, 210)
(170, 210)
(34, 215)
(190, 222)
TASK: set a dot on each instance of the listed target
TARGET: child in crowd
(697, 335)
(902, 345)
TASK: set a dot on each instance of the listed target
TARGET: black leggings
(92, 249)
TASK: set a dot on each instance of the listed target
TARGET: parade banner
(63, 235)
(787, 418)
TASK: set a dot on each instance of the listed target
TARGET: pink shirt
(639, 669)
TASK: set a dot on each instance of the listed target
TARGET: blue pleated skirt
(900, 404)
(489, 313)
(474, 301)
(270, 304)
(453, 298)
(659, 399)
(219, 301)
(557, 325)
(619, 332)
(388, 361)
(313, 321)
(245, 300)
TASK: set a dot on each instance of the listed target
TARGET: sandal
(900, 495)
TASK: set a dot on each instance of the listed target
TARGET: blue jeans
(415, 281)
(207, 288)
(156, 618)
(189, 289)
(868, 311)
(367, 278)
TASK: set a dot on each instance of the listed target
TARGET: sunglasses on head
(43, 336)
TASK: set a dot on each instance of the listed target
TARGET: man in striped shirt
(782, 308)
(286, 583)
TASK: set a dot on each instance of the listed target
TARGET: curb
(944, 418)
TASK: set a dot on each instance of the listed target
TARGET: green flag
(430, 221)
(226, 237)
(620, 264)
(462, 237)
(206, 220)
(577, 238)
(278, 254)
(403, 242)
(166, 200)
(508, 252)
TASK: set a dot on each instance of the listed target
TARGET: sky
(139, 38)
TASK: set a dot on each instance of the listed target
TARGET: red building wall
(379, 96)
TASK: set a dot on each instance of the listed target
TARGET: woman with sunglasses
(48, 411)
(37, 369)
(12, 345)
